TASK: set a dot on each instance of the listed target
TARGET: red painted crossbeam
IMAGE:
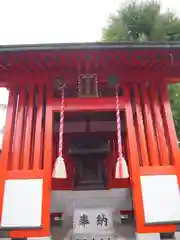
(88, 104)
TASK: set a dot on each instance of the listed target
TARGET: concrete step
(65, 199)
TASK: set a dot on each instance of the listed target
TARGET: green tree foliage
(144, 21)
(174, 94)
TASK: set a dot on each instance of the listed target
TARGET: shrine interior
(89, 142)
(89, 137)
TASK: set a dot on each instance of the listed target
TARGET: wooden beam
(170, 80)
(88, 104)
(140, 127)
(11, 76)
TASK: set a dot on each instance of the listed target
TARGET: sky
(48, 21)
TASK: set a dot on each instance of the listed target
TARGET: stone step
(90, 186)
(105, 236)
(93, 223)
(65, 200)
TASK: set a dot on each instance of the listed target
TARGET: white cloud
(38, 21)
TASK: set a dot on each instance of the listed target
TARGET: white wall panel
(22, 204)
(161, 199)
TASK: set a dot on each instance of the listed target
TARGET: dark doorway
(89, 154)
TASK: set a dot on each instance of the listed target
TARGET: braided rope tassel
(60, 167)
(121, 165)
(61, 125)
(79, 86)
(96, 83)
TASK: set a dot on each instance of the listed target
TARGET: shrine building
(89, 125)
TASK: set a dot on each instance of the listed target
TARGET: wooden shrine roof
(125, 59)
(93, 45)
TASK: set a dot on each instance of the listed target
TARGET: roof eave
(86, 46)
